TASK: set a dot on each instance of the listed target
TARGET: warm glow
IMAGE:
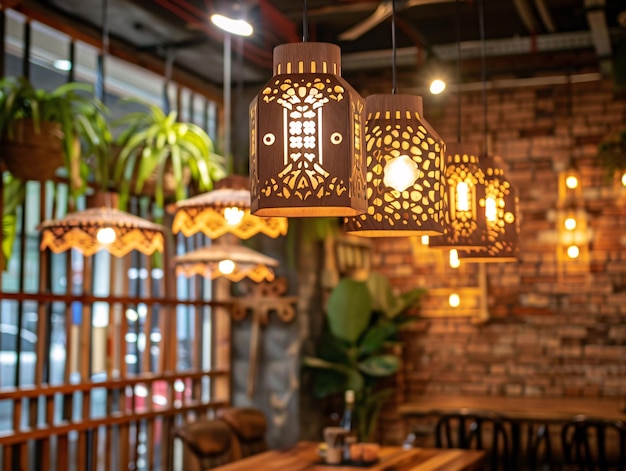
(571, 182)
(454, 300)
(624, 178)
(462, 196)
(425, 240)
(230, 25)
(226, 267)
(491, 209)
(573, 251)
(233, 215)
(437, 86)
(570, 224)
(400, 173)
(106, 235)
(455, 262)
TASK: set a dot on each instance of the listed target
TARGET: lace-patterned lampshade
(465, 180)
(96, 229)
(224, 210)
(306, 147)
(501, 208)
(405, 171)
(233, 262)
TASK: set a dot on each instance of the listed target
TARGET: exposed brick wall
(546, 336)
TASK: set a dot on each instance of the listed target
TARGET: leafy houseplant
(153, 142)
(37, 127)
(363, 320)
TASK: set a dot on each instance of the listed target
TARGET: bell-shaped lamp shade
(467, 226)
(224, 210)
(501, 206)
(306, 153)
(405, 171)
(233, 262)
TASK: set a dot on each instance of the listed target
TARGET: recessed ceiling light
(233, 26)
(62, 64)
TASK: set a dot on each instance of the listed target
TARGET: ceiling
(523, 37)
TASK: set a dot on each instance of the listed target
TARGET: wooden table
(304, 457)
(537, 409)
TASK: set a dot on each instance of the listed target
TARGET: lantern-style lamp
(501, 209)
(306, 153)
(405, 171)
(466, 188)
(224, 210)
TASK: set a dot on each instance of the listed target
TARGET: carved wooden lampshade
(466, 188)
(233, 262)
(501, 206)
(306, 155)
(96, 229)
(224, 210)
(405, 171)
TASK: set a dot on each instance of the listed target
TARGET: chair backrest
(595, 444)
(250, 427)
(474, 429)
(207, 444)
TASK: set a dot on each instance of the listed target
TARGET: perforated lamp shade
(84, 232)
(306, 156)
(224, 210)
(400, 143)
(467, 225)
(501, 206)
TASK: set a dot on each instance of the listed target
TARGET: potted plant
(41, 131)
(612, 153)
(363, 320)
(152, 144)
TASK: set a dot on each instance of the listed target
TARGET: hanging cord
(100, 89)
(305, 23)
(458, 69)
(483, 54)
(394, 84)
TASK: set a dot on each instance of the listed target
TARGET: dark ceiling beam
(596, 17)
(526, 15)
(81, 31)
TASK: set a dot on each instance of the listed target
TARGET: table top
(520, 408)
(304, 456)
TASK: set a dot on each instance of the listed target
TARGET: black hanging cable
(483, 54)
(458, 69)
(394, 83)
(305, 23)
(100, 89)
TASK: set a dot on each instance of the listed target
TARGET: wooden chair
(538, 446)
(250, 427)
(207, 444)
(474, 429)
(593, 444)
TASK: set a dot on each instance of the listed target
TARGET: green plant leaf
(380, 365)
(353, 378)
(375, 338)
(349, 310)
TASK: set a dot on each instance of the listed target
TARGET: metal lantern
(306, 155)
(501, 208)
(405, 171)
(466, 188)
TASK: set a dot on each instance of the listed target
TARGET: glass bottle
(348, 423)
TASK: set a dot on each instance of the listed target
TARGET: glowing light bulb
(425, 240)
(624, 178)
(462, 196)
(437, 86)
(570, 224)
(573, 251)
(400, 173)
(226, 267)
(106, 235)
(455, 262)
(233, 215)
(231, 25)
(62, 64)
(454, 300)
(571, 182)
(491, 209)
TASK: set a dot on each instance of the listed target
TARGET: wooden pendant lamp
(306, 152)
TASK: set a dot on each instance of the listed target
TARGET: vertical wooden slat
(62, 452)
(221, 335)
(7, 457)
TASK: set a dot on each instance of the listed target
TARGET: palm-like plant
(152, 142)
